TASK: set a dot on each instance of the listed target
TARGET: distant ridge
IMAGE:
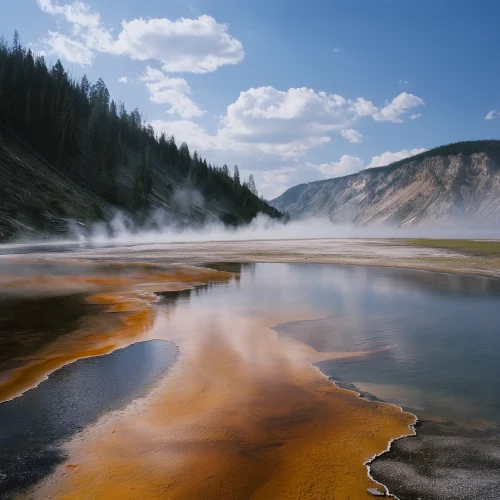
(457, 182)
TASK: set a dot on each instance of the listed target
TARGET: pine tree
(236, 175)
(85, 86)
(58, 74)
(251, 185)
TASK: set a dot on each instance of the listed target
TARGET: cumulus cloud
(123, 79)
(352, 164)
(275, 182)
(187, 131)
(287, 123)
(392, 111)
(398, 107)
(390, 157)
(187, 45)
(284, 123)
(351, 135)
(198, 45)
(491, 115)
(345, 166)
(172, 91)
(415, 116)
(77, 13)
(362, 107)
(67, 48)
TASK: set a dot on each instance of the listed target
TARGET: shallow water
(34, 425)
(438, 334)
(441, 331)
(425, 341)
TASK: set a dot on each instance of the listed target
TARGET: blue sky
(291, 91)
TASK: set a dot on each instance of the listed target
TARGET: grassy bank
(482, 248)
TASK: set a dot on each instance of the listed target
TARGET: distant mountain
(457, 182)
(70, 156)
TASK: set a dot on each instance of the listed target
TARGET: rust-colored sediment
(243, 414)
(128, 294)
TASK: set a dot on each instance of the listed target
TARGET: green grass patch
(472, 247)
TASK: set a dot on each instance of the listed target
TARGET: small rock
(376, 492)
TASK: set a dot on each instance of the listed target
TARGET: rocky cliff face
(445, 188)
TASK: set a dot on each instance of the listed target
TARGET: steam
(162, 227)
(159, 229)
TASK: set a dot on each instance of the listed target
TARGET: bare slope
(452, 183)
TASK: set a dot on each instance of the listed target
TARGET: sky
(291, 91)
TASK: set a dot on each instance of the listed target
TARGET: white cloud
(415, 116)
(391, 112)
(67, 48)
(491, 115)
(351, 135)
(352, 164)
(77, 13)
(286, 124)
(336, 49)
(123, 79)
(362, 107)
(403, 82)
(345, 166)
(399, 106)
(172, 91)
(198, 45)
(187, 131)
(187, 45)
(275, 182)
(389, 157)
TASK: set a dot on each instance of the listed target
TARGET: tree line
(76, 127)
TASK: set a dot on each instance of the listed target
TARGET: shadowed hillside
(70, 156)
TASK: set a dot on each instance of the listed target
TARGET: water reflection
(436, 334)
(426, 341)
(28, 323)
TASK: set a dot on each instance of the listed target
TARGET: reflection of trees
(173, 297)
(238, 268)
(29, 323)
(232, 267)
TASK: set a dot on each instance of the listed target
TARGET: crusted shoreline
(444, 256)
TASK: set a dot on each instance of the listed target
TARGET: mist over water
(120, 231)
(160, 227)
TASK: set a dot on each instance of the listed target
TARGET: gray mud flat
(444, 461)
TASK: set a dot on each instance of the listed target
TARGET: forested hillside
(68, 152)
